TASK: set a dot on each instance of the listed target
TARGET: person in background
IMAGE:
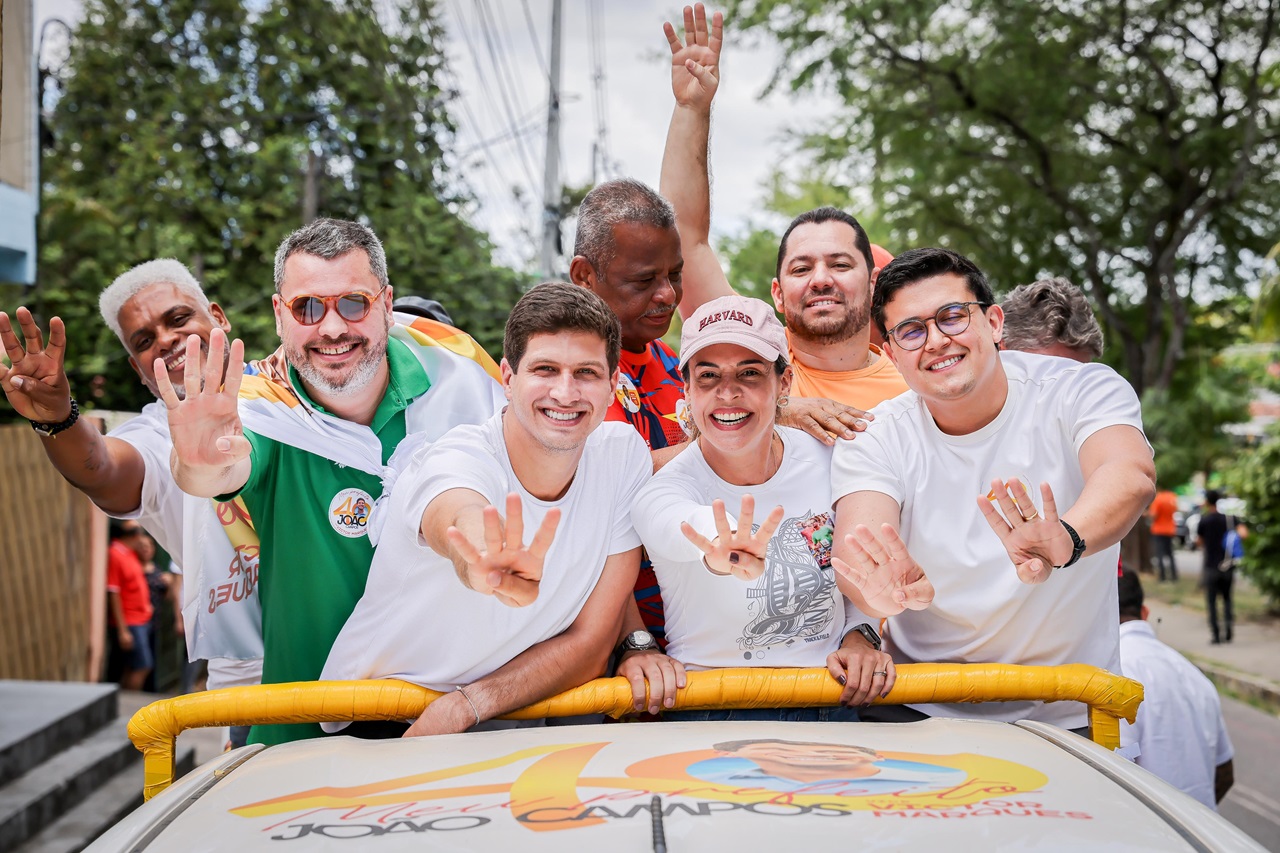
(1163, 529)
(1179, 731)
(1217, 581)
(129, 603)
(1051, 317)
(826, 266)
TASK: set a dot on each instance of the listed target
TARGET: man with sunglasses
(982, 511)
(307, 444)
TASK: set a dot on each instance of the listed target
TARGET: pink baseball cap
(739, 320)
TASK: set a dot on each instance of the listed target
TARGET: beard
(831, 329)
(352, 379)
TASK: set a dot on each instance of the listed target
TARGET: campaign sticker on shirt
(628, 396)
(349, 512)
(684, 416)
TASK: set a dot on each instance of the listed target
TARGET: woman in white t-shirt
(737, 595)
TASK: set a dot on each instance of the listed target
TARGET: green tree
(1132, 146)
(1256, 479)
(752, 256)
(1186, 422)
(206, 130)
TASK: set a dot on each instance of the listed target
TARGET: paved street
(1253, 804)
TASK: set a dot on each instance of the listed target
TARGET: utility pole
(551, 169)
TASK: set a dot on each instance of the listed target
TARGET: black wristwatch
(1077, 545)
(637, 641)
(50, 430)
(870, 634)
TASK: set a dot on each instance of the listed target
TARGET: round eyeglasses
(951, 319)
(352, 307)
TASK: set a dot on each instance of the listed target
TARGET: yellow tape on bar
(155, 728)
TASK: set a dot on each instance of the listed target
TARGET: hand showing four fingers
(36, 384)
(737, 552)
(881, 569)
(1035, 543)
(506, 568)
(695, 64)
(204, 420)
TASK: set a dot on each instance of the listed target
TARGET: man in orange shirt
(1163, 528)
(129, 603)
(826, 268)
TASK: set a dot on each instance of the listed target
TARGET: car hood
(747, 786)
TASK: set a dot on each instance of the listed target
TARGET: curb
(1249, 687)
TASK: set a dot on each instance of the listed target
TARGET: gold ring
(1035, 513)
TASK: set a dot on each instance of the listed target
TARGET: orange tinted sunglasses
(352, 307)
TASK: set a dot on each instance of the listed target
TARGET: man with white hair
(306, 444)
(153, 309)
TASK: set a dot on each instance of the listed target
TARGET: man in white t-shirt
(152, 308)
(1179, 732)
(456, 600)
(932, 513)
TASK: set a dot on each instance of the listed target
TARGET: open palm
(881, 569)
(36, 384)
(695, 86)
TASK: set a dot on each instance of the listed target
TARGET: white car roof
(934, 785)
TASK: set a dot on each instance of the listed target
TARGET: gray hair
(613, 203)
(329, 239)
(1050, 311)
(132, 282)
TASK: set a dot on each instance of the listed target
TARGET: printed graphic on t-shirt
(792, 601)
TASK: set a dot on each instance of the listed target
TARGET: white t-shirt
(793, 614)
(417, 622)
(981, 612)
(161, 513)
(1179, 728)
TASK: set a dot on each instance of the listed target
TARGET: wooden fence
(53, 546)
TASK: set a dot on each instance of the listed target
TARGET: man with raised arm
(933, 512)
(825, 272)
(308, 446)
(152, 308)
(507, 551)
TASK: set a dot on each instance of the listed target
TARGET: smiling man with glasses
(307, 443)
(932, 516)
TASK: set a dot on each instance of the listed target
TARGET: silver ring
(880, 673)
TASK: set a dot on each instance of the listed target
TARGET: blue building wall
(17, 235)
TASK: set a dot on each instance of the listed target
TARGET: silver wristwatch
(870, 634)
(637, 641)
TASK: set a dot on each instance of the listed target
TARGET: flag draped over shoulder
(221, 608)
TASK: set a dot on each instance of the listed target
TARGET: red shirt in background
(1161, 511)
(126, 576)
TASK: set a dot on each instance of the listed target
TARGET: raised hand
(506, 568)
(883, 572)
(36, 384)
(825, 420)
(695, 63)
(204, 420)
(735, 552)
(1035, 543)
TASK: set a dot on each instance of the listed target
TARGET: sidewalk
(1249, 665)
